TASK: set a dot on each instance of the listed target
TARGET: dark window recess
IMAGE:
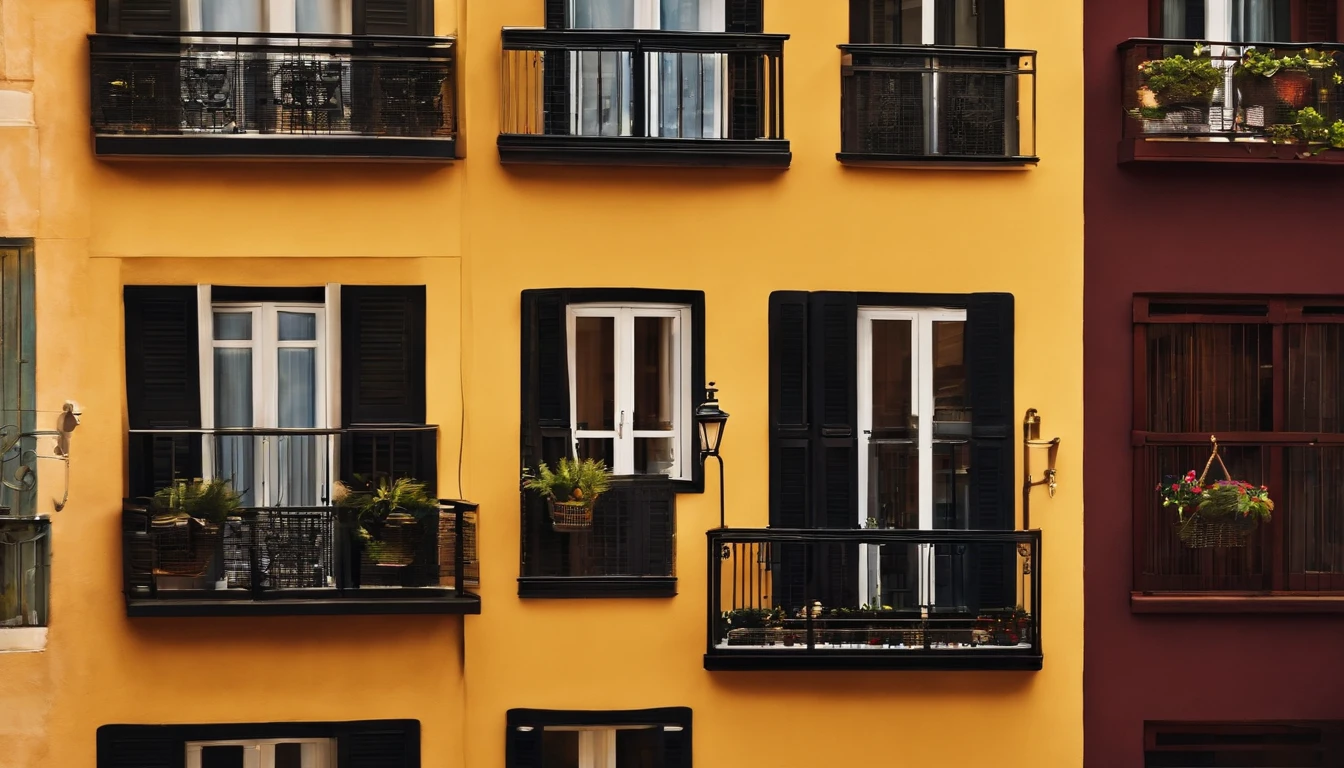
(359, 744)
(1301, 744)
(1265, 376)
(630, 550)
(898, 22)
(646, 738)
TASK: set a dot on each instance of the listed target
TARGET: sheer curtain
(604, 98)
(330, 17)
(231, 16)
(1253, 20)
(233, 391)
(299, 457)
(687, 104)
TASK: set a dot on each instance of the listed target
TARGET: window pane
(231, 16)
(233, 388)
(965, 23)
(595, 373)
(233, 326)
(604, 14)
(893, 484)
(1203, 378)
(23, 574)
(289, 756)
(298, 326)
(653, 455)
(951, 407)
(893, 410)
(224, 756)
(597, 448)
(1183, 19)
(296, 383)
(321, 16)
(560, 749)
(1315, 383)
(1312, 506)
(655, 368)
(639, 748)
(951, 485)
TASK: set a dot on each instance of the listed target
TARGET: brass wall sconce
(1031, 438)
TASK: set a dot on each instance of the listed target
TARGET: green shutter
(18, 358)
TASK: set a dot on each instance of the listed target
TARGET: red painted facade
(1201, 229)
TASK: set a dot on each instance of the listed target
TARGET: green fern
(572, 480)
(213, 501)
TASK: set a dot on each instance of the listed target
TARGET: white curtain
(329, 17)
(298, 457)
(231, 16)
(1173, 18)
(1257, 20)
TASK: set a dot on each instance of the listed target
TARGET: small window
(317, 16)
(645, 738)
(262, 753)
(629, 746)
(630, 387)
(24, 545)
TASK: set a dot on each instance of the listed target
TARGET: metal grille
(295, 86)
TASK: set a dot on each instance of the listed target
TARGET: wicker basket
(397, 542)
(184, 546)
(572, 516)
(1198, 532)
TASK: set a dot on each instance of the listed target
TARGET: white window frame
(260, 753)
(623, 352)
(922, 400)
(265, 345)
(278, 17)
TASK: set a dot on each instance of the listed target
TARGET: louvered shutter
(992, 31)
(545, 424)
(407, 18)
(677, 747)
(383, 382)
(1319, 20)
(636, 521)
(163, 384)
(379, 744)
(990, 376)
(833, 363)
(790, 441)
(556, 16)
(555, 85)
(140, 746)
(522, 744)
(745, 72)
(138, 16)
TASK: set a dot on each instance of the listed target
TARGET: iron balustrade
(292, 85)
(903, 103)
(289, 539)
(1242, 107)
(643, 90)
(873, 598)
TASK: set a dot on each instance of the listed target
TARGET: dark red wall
(1200, 229)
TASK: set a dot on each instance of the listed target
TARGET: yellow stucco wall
(478, 234)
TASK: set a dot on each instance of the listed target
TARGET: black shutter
(556, 14)
(407, 18)
(744, 16)
(545, 428)
(745, 71)
(677, 747)
(379, 744)
(992, 32)
(163, 384)
(140, 746)
(833, 375)
(990, 376)
(137, 16)
(522, 742)
(790, 443)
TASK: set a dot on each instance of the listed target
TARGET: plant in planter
(1266, 79)
(571, 491)
(1224, 513)
(1177, 83)
(389, 518)
(186, 519)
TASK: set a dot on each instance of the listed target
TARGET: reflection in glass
(231, 16)
(233, 326)
(952, 486)
(653, 455)
(297, 326)
(893, 409)
(893, 484)
(595, 372)
(655, 387)
(598, 448)
(950, 402)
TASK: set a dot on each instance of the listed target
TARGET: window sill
(272, 147)
(374, 605)
(947, 162)
(541, 149)
(597, 587)
(1175, 149)
(803, 661)
(1205, 602)
(23, 639)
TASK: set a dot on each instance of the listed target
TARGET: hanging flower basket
(571, 516)
(398, 539)
(1223, 514)
(571, 491)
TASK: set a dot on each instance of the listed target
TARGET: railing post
(638, 78)
(459, 561)
(807, 600)
(714, 603)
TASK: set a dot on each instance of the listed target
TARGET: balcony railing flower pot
(1280, 85)
(187, 520)
(571, 491)
(1222, 514)
(390, 520)
(1177, 91)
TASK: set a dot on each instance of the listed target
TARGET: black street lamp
(712, 421)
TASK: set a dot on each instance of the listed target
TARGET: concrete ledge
(23, 639)
(16, 109)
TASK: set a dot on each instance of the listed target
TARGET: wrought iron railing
(288, 537)
(643, 84)
(1211, 94)
(911, 102)
(272, 85)
(893, 597)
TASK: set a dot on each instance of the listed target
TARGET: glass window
(332, 17)
(595, 747)
(24, 547)
(262, 753)
(630, 387)
(918, 22)
(1227, 20)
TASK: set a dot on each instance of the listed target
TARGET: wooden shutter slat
(744, 16)
(990, 380)
(140, 746)
(677, 747)
(522, 745)
(545, 434)
(833, 387)
(139, 16)
(379, 744)
(790, 440)
(163, 386)
(405, 18)
(383, 354)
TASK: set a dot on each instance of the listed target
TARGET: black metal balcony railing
(288, 548)
(268, 95)
(643, 97)
(1222, 110)
(873, 599)
(914, 104)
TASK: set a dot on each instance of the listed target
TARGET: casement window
(1249, 21)
(271, 375)
(927, 22)
(1246, 745)
(1266, 377)
(18, 384)
(612, 374)
(25, 546)
(653, 738)
(361, 744)
(262, 753)
(360, 17)
(893, 411)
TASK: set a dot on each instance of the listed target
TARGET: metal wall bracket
(1031, 439)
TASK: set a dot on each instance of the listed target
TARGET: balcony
(288, 548)
(918, 105)
(1220, 105)
(644, 98)
(792, 599)
(267, 96)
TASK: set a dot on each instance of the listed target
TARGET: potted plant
(186, 519)
(389, 519)
(1223, 514)
(1178, 83)
(571, 491)
(1280, 84)
(743, 626)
